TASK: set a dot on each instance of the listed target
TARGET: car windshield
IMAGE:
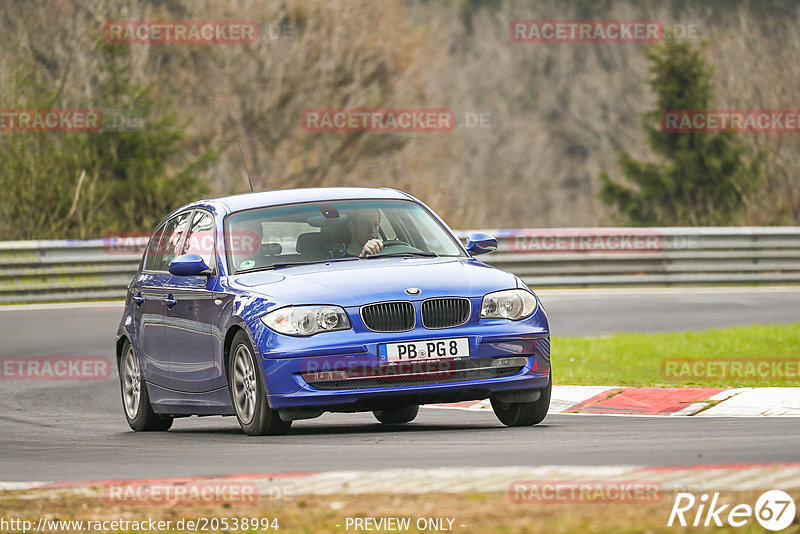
(281, 236)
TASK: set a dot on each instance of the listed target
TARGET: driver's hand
(373, 246)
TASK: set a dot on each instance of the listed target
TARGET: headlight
(306, 320)
(511, 304)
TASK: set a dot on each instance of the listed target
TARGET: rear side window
(169, 241)
(200, 239)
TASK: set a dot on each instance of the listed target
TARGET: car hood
(353, 283)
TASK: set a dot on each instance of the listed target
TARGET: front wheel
(524, 413)
(397, 416)
(135, 400)
(249, 394)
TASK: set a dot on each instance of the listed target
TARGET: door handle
(170, 301)
(138, 299)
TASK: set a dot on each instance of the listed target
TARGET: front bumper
(316, 371)
(357, 381)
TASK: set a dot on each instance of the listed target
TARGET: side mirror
(480, 243)
(189, 265)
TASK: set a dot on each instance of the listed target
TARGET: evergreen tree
(704, 178)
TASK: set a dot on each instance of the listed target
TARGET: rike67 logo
(774, 510)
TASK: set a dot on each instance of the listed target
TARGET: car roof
(260, 199)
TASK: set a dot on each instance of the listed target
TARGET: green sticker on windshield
(247, 264)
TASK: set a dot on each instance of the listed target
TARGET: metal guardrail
(591, 257)
(36, 271)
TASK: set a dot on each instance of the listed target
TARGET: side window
(433, 237)
(167, 248)
(200, 238)
(152, 251)
(421, 235)
(387, 230)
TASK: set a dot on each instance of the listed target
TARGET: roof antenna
(249, 179)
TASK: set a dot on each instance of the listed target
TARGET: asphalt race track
(67, 430)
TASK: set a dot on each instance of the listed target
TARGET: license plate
(432, 349)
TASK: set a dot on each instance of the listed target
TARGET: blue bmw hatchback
(283, 305)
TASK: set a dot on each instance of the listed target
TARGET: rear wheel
(524, 413)
(135, 400)
(397, 416)
(249, 394)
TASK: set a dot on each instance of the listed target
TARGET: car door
(189, 320)
(149, 291)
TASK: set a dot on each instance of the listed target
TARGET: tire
(135, 400)
(248, 394)
(524, 413)
(397, 416)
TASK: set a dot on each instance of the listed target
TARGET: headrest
(271, 249)
(310, 243)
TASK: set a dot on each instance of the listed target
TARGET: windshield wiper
(279, 264)
(402, 254)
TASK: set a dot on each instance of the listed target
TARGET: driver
(364, 225)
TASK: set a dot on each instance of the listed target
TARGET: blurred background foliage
(558, 114)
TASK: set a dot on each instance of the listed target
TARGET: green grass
(637, 359)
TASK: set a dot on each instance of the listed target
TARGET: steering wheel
(392, 242)
(397, 246)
